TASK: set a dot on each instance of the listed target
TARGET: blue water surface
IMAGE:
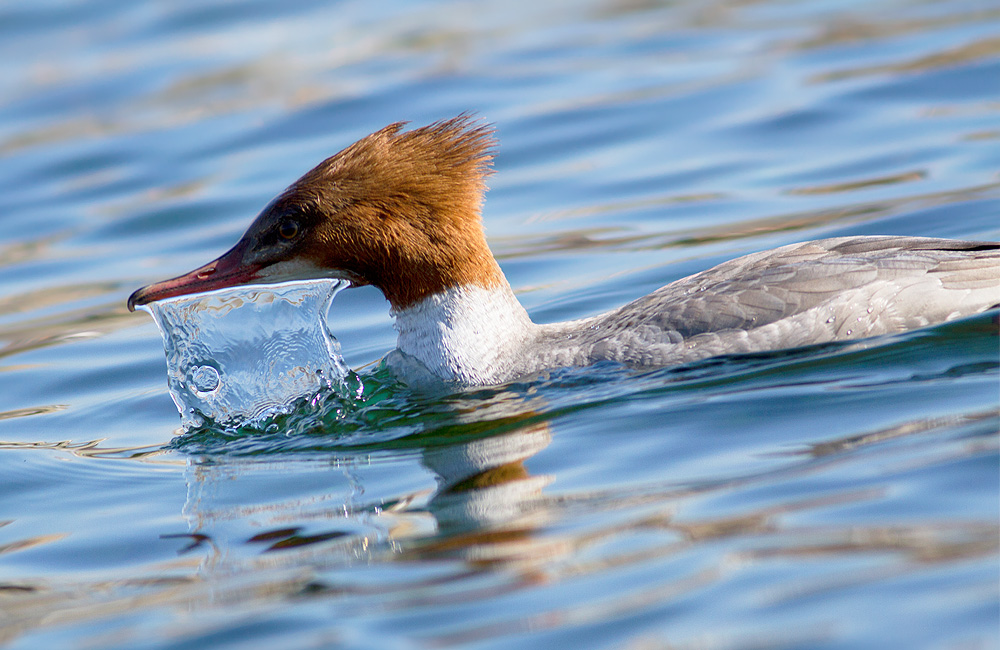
(844, 496)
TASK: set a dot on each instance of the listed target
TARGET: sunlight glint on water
(238, 356)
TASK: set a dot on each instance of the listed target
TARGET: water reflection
(481, 510)
(473, 493)
(462, 519)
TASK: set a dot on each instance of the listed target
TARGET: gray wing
(819, 291)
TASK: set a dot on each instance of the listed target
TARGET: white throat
(468, 334)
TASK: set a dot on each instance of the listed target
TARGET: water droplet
(830, 319)
(204, 379)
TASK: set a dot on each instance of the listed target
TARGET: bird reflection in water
(474, 507)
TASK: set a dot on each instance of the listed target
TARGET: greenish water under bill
(841, 496)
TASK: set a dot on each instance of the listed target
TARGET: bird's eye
(288, 229)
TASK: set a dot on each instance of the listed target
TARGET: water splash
(239, 356)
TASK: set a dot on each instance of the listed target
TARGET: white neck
(467, 334)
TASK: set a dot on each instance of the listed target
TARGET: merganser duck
(400, 210)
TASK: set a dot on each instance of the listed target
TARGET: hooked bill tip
(135, 299)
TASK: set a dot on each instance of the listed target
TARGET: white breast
(470, 335)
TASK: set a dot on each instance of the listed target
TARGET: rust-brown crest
(400, 209)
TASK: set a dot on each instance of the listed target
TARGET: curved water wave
(237, 357)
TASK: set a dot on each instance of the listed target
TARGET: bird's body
(400, 210)
(813, 292)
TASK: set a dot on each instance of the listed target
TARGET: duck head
(399, 210)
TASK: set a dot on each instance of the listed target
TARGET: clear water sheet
(238, 356)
